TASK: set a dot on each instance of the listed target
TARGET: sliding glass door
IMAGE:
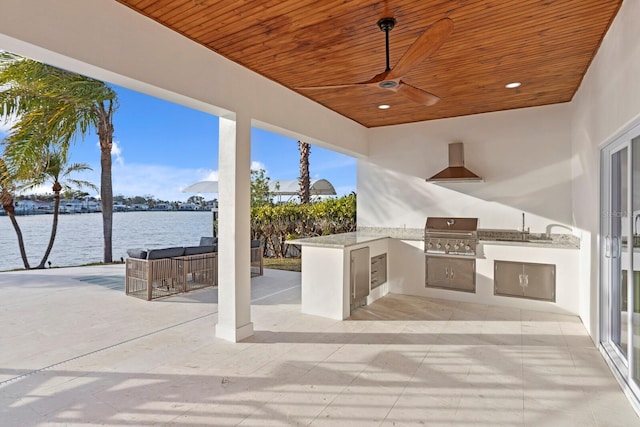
(620, 257)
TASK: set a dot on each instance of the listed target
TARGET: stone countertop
(363, 235)
(498, 237)
(541, 240)
(396, 233)
(341, 240)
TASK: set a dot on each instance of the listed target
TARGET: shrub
(276, 224)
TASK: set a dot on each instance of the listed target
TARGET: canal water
(79, 238)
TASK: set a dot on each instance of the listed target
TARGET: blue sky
(161, 147)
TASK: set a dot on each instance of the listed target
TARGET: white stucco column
(234, 275)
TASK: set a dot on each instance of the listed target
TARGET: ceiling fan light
(388, 84)
(512, 85)
(384, 106)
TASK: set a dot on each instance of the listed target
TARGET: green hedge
(275, 224)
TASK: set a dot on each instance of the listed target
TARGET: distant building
(162, 207)
(120, 207)
(32, 207)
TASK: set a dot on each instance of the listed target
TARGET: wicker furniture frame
(157, 278)
(197, 271)
(151, 279)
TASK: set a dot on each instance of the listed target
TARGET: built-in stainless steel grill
(451, 236)
(450, 249)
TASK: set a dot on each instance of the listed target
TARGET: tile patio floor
(74, 350)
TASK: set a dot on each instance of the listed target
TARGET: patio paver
(74, 350)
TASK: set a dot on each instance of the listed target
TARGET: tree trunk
(105, 134)
(106, 197)
(305, 179)
(54, 227)
(6, 199)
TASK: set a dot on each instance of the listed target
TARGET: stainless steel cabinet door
(525, 280)
(359, 273)
(508, 279)
(437, 272)
(462, 274)
(541, 281)
(451, 273)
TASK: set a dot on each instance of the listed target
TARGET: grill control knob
(467, 247)
(438, 245)
(447, 246)
(456, 247)
(430, 245)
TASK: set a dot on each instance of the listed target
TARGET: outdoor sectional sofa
(162, 272)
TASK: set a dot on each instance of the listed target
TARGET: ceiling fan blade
(417, 95)
(328, 87)
(372, 82)
(423, 47)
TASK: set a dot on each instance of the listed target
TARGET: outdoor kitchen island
(341, 272)
(332, 268)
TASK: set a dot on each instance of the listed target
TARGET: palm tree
(7, 189)
(57, 105)
(57, 171)
(304, 180)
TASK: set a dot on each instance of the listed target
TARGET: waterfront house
(162, 207)
(187, 207)
(119, 206)
(562, 147)
(91, 205)
(140, 206)
(32, 207)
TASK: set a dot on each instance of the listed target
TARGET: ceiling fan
(420, 50)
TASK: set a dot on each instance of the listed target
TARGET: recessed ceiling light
(384, 107)
(512, 85)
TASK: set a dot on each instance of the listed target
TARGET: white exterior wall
(606, 104)
(523, 155)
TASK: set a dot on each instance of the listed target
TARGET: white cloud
(256, 166)
(40, 189)
(116, 152)
(137, 179)
(211, 176)
(7, 122)
(163, 182)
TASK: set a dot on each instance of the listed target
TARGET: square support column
(234, 262)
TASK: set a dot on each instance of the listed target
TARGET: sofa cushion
(138, 253)
(196, 250)
(208, 241)
(165, 253)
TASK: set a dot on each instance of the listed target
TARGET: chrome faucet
(550, 226)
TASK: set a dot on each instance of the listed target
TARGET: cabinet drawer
(378, 270)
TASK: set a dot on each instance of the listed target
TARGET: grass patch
(289, 264)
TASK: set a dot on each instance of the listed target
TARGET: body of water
(79, 239)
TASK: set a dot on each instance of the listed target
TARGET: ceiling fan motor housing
(387, 24)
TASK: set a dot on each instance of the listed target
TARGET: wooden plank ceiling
(547, 45)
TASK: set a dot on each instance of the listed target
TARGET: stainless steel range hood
(456, 172)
